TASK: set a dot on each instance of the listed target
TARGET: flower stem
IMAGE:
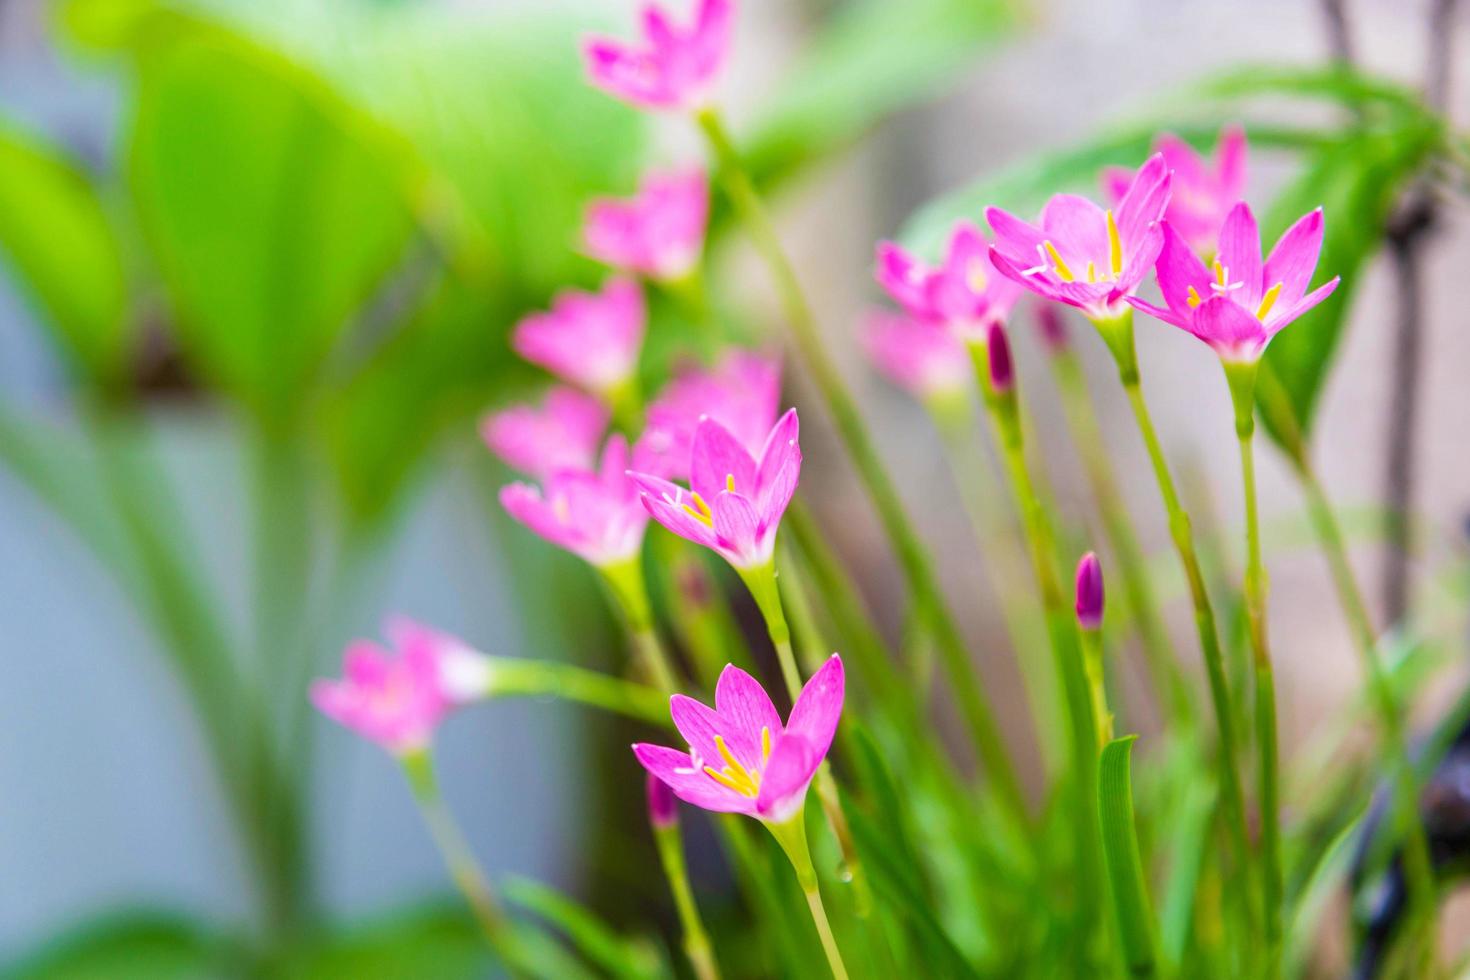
(463, 868)
(696, 941)
(791, 835)
(547, 678)
(923, 585)
(1118, 335)
(1153, 638)
(630, 598)
(1092, 662)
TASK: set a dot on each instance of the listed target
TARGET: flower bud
(1089, 592)
(1002, 374)
(1052, 327)
(663, 809)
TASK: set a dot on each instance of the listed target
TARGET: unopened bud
(1052, 327)
(1089, 592)
(1002, 373)
(663, 808)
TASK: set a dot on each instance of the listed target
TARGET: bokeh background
(327, 214)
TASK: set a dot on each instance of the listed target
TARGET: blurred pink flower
(764, 767)
(1240, 304)
(674, 67)
(924, 359)
(397, 698)
(1082, 255)
(589, 339)
(736, 501)
(562, 433)
(659, 232)
(964, 293)
(1202, 194)
(742, 393)
(593, 514)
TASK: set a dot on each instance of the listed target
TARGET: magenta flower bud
(1089, 592)
(663, 807)
(1052, 327)
(1002, 373)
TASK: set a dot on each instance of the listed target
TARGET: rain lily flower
(964, 293)
(591, 340)
(658, 233)
(593, 514)
(1202, 194)
(742, 393)
(735, 501)
(741, 758)
(924, 359)
(1089, 604)
(561, 434)
(674, 67)
(1239, 303)
(398, 698)
(1081, 254)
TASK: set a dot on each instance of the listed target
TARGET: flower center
(703, 514)
(1051, 260)
(1222, 286)
(744, 781)
(976, 278)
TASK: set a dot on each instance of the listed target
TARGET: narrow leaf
(1125, 868)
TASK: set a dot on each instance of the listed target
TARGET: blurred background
(257, 266)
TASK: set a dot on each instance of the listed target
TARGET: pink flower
(589, 339)
(561, 434)
(659, 232)
(398, 698)
(964, 293)
(742, 393)
(1240, 304)
(741, 759)
(593, 514)
(1082, 255)
(1201, 194)
(674, 67)
(735, 503)
(923, 358)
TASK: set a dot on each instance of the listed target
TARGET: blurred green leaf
(872, 59)
(61, 247)
(1125, 867)
(135, 945)
(436, 941)
(618, 956)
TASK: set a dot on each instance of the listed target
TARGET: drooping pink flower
(924, 359)
(657, 233)
(1081, 254)
(1241, 303)
(1202, 194)
(964, 293)
(589, 339)
(742, 393)
(674, 66)
(397, 698)
(735, 502)
(593, 514)
(562, 433)
(741, 758)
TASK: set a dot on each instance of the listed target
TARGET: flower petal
(1158, 312)
(780, 468)
(1240, 255)
(1015, 239)
(1178, 269)
(1078, 229)
(668, 503)
(1294, 258)
(690, 783)
(789, 772)
(1229, 328)
(698, 724)
(819, 706)
(746, 707)
(715, 457)
(1275, 323)
(738, 528)
(1144, 203)
(1230, 161)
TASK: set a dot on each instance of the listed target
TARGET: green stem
(1119, 337)
(1168, 681)
(791, 835)
(693, 295)
(914, 560)
(1092, 661)
(547, 678)
(1242, 379)
(630, 599)
(418, 767)
(696, 941)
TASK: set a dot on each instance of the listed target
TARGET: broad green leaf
(136, 945)
(434, 941)
(1125, 867)
(620, 957)
(60, 246)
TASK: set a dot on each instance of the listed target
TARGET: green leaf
(137, 945)
(620, 957)
(61, 247)
(1125, 867)
(874, 58)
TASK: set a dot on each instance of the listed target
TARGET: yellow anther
(734, 775)
(976, 277)
(1115, 247)
(1194, 299)
(1220, 273)
(730, 482)
(1063, 273)
(765, 745)
(703, 514)
(1091, 272)
(1268, 301)
(727, 780)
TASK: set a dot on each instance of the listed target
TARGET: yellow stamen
(726, 780)
(1220, 273)
(977, 277)
(1091, 272)
(734, 775)
(1194, 299)
(703, 514)
(730, 482)
(765, 744)
(1063, 273)
(1115, 247)
(1268, 301)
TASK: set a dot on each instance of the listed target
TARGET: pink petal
(1240, 254)
(903, 277)
(744, 704)
(365, 663)
(738, 529)
(819, 707)
(1158, 312)
(666, 503)
(1275, 323)
(1294, 259)
(1144, 203)
(780, 466)
(525, 503)
(1182, 158)
(698, 724)
(717, 455)
(1115, 183)
(1229, 328)
(695, 787)
(1077, 228)
(1138, 260)
(789, 772)
(1178, 269)
(1041, 284)
(1230, 156)
(1015, 239)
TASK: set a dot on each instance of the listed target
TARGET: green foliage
(614, 955)
(1125, 867)
(148, 946)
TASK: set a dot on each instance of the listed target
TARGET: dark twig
(1339, 37)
